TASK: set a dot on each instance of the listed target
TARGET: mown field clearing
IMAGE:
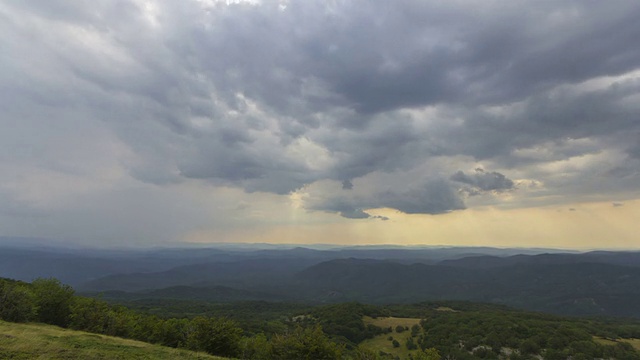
(46, 342)
(603, 341)
(444, 308)
(634, 342)
(384, 322)
(382, 342)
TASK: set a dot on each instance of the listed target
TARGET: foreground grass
(38, 341)
(382, 342)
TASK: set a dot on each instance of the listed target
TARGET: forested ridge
(586, 284)
(593, 283)
(263, 330)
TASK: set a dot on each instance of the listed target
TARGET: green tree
(256, 348)
(366, 354)
(17, 302)
(173, 332)
(411, 345)
(89, 315)
(427, 354)
(553, 354)
(529, 347)
(305, 344)
(53, 300)
(415, 330)
(215, 336)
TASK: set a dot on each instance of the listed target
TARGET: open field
(445, 308)
(634, 342)
(46, 342)
(384, 322)
(382, 342)
(603, 341)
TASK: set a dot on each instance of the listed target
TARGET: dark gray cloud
(427, 196)
(383, 218)
(272, 98)
(375, 57)
(481, 181)
(634, 150)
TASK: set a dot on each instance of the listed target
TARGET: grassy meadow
(47, 342)
(382, 342)
(634, 342)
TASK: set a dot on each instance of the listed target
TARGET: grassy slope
(38, 341)
(382, 343)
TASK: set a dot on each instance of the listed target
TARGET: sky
(151, 123)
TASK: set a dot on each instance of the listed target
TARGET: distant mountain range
(574, 288)
(570, 283)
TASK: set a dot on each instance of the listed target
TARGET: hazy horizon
(58, 244)
(147, 123)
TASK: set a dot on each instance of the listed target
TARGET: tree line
(517, 336)
(51, 302)
(472, 331)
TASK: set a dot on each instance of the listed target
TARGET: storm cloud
(284, 97)
(424, 196)
(481, 180)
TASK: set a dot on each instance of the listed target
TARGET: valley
(363, 303)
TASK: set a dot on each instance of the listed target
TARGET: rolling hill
(592, 283)
(567, 288)
(39, 341)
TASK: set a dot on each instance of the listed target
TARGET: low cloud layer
(281, 97)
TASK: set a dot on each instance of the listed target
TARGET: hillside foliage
(50, 302)
(446, 330)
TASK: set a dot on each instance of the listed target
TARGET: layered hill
(574, 289)
(592, 283)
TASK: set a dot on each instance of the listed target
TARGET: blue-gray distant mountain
(592, 283)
